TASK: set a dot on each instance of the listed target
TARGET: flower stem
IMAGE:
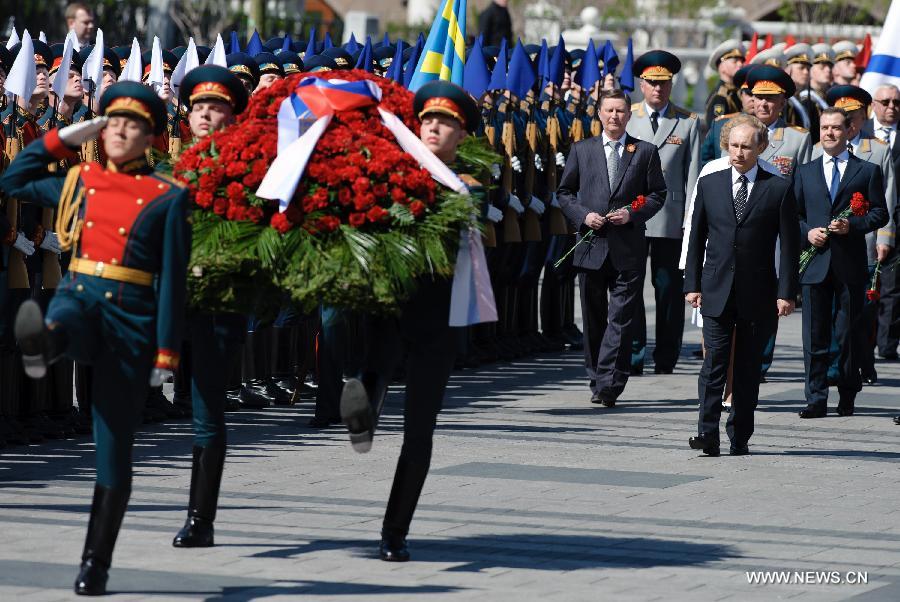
(587, 236)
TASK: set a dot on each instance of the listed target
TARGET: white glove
(494, 214)
(516, 164)
(51, 243)
(554, 202)
(495, 171)
(23, 245)
(538, 164)
(537, 206)
(77, 134)
(159, 376)
(560, 160)
(516, 204)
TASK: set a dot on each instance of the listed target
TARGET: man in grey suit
(611, 185)
(675, 133)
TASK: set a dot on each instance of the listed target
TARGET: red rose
(357, 219)
(345, 197)
(329, 223)
(377, 214)
(204, 199)
(417, 208)
(380, 190)
(220, 206)
(363, 201)
(236, 168)
(360, 185)
(281, 223)
(638, 203)
(873, 295)
(235, 192)
(254, 214)
(207, 182)
(398, 195)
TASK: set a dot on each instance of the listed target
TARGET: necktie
(740, 199)
(835, 179)
(654, 121)
(849, 148)
(885, 134)
(612, 161)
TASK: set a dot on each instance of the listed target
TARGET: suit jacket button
(732, 268)
(108, 295)
(79, 288)
(122, 231)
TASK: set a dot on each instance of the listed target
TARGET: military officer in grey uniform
(820, 76)
(727, 58)
(792, 112)
(789, 146)
(676, 134)
(855, 102)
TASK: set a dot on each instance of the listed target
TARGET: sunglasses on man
(889, 101)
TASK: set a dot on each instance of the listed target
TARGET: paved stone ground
(534, 494)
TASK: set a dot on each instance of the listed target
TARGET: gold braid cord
(68, 225)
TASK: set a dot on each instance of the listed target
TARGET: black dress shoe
(871, 378)
(92, 578)
(393, 549)
(812, 411)
(608, 402)
(709, 445)
(896, 419)
(739, 450)
(595, 398)
(196, 533)
(845, 408)
(662, 370)
(762, 379)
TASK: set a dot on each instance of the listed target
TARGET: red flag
(789, 41)
(865, 53)
(769, 42)
(751, 51)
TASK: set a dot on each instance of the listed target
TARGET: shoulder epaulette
(878, 140)
(168, 178)
(728, 116)
(635, 106)
(684, 112)
(800, 129)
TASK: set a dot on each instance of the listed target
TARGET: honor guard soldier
(855, 102)
(845, 72)
(112, 69)
(270, 70)
(245, 68)
(676, 134)
(213, 97)
(291, 62)
(820, 76)
(342, 59)
(799, 61)
(447, 113)
(726, 59)
(120, 307)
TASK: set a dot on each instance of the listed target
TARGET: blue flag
(444, 54)
(558, 63)
(610, 59)
(386, 40)
(311, 45)
(498, 76)
(589, 71)
(352, 45)
(543, 63)
(626, 77)
(413, 61)
(235, 44)
(365, 61)
(520, 77)
(395, 71)
(254, 46)
(327, 43)
(477, 76)
(288, 43)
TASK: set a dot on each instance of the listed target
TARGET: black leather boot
(409, 479)
(283, 381)
(107, 511)
(206, 476)
(253, 392)
(40, 345)
(233, 375)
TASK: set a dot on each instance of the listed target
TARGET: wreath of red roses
(358, 175)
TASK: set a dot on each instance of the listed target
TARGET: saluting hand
(77, 134)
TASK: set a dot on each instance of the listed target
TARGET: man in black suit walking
(611, 185)
(837, 273)
(730, 274)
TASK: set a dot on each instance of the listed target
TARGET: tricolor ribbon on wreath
(302, 119)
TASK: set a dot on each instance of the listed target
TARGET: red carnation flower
(204, 199)
(873, 295)
(220, 206)
(357, 219)
(858, 204)
(417, 208)
(638, 203)
(377, 214)
(281, 223)
(329, 223)
(344, 196)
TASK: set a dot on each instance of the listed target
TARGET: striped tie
(740, 199)
(612, 161)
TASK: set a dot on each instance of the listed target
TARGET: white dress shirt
(878, 127)
(828, 165)
(607, 140)
(650, 110)
(735, 180)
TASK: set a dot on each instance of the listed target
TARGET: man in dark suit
(735, 284)
(611, 185)
(837, 274)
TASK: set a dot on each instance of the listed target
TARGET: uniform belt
(110, 272)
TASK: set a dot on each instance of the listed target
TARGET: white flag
(217, 56)
(133, 66)
(13, 39)
(189, 60)
(92, 71)
(22, 78)
(61, 80)
(42, 37)
(156, 79)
